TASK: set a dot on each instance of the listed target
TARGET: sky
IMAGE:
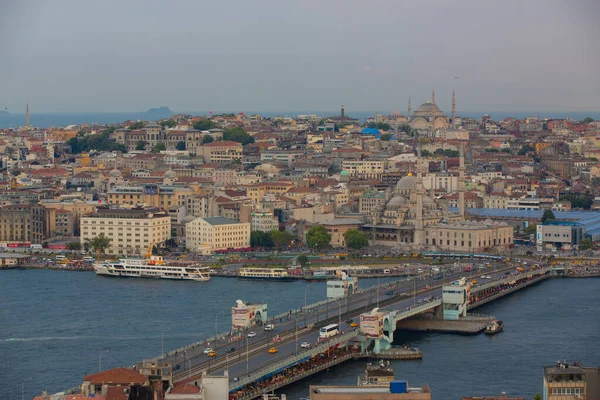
(308, 55)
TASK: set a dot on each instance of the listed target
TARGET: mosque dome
(428, 107)
(170, 174)
(344, 173)
(397, 201)
(115, 173)
(407, 183)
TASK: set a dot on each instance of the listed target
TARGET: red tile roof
(123, 376)
(184, 388)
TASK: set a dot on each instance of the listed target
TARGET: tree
(260, 239)
(525, 149)
(74, 246)
(159, 147)
(86, 245)
(168, 123)
(281, 239)
(204, 124)
(207, 139)
(548, 216)
(136, 125)
(318, 238)
(386, 137)
(586, 244)
(355, 239)
(180, 145)
(237, 134)
(100, 243)
(587, 120)
(302, 259)
(141, 145)
(99, 142)
(537, 397)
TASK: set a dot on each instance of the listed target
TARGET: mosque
(428, 117)
(414, 220)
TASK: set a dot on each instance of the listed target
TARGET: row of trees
(101, 142)
(317, 238)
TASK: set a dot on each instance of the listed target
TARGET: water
(64, 119)
(55, 324)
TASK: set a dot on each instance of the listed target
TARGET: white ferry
(264, 274)
(154, 267)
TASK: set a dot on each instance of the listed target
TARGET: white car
(305, 345)
(251, 334)
(207, 350)
(269, 327)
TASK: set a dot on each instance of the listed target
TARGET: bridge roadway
(251, 354)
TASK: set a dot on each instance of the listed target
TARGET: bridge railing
(287, 362)
(417, 310)
(508, 279)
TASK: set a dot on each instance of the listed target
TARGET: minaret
(433, 96)
(419, 238)
(27, 116)
(453, 108)
(409, 107)
(342, 113)
(461, 183)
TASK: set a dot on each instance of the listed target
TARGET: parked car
(305, 345)
(251, 334)
(269, 327)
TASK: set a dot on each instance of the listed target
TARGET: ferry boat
(154, 267)
(494, 327)
(265, 274)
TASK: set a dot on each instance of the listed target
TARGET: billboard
(371, 325)
(240, 317)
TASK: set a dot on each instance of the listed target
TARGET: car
(251, 334)
(269, 327)
(273, 350)
(349, 321)
(389, 293)
(354, 324)
(305, 345)
(212, 353)
(230, 350)
(207, 350)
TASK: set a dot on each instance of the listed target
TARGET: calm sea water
(55, 324)
(64, 119)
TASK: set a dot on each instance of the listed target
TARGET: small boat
(494, 327)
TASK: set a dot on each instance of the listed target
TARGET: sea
(64, 119)
(56, 327)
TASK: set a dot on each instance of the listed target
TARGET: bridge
(252, 370)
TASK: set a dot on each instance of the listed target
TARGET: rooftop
(116, 376)
(220, 221)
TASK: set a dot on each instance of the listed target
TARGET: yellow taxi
(212, 353)
(273, 350)
(354, 324)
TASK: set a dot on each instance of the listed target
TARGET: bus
(329, 331)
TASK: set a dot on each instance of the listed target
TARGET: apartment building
(24, 223)
(364, 169)
(130, 230)
(221, 152)
(565, 381)
(205, 235)
(264, 221)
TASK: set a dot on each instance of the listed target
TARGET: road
(256, 348)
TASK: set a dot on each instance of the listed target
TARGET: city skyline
(272, 57)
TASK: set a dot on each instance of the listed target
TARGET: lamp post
(184, 355)
(217, 329)
(100, 360)
(246, 354)
(23, 388)
(162, 344)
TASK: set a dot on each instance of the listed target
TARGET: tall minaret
(461, 183)
(419, 238)
(409, 107)
(453, 108)
(27, 116)
(342, 113)
(433, 96)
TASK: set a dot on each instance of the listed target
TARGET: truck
(467, 268)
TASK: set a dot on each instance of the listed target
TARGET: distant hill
(3, 113)
(160, 111)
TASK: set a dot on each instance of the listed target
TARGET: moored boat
(265, 274)
(494, 327)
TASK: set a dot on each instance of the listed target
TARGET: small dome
(115, 173)
(398, 201)
(407, 183)
(170, 174)
(344, 173)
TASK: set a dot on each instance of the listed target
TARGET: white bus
(329, 331)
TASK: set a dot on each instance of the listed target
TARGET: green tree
(355, 239)
(86, 245)
(260, 239)
(237, 134)
(281, 239)
(587, 120)
(136, 125)
(168, 123)
(548, 216)
(531, 229)
(180, 145)
(318, 238)
(204, 124)
(525, 149)
(425, 153)
(99, 142)
(586, 244)
(302, 259)
(385, 137)
(159, 147)
(100, 243)
(141, 145)
(74, 246)
(578, 200)
(537, 397)
(207, 139)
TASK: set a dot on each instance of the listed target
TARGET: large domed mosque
(428, 116)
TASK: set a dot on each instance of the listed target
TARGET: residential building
(565, 381)
(264, 221)
(371, 200)
(24, 223)
(337, 227)
(131, 230)
(205, 235)
(221, 152)
(364, 169)
(469, 236)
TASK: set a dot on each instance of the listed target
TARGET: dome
(395, 113)
(407, 183)
(170, 174)
(115, 173)
(344, 173)
(397, 201)
(428, 108)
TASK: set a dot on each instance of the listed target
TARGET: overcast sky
(309, 55)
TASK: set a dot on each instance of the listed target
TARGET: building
(337, 227)
(370, 200)
(428, 117)
(205, 235)
(131, 230)
(469, 236)
(565, 381)
(24, 223)
(364, 169)
(225, 151)
(101, 382)
(264, 221)
(560, 234)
